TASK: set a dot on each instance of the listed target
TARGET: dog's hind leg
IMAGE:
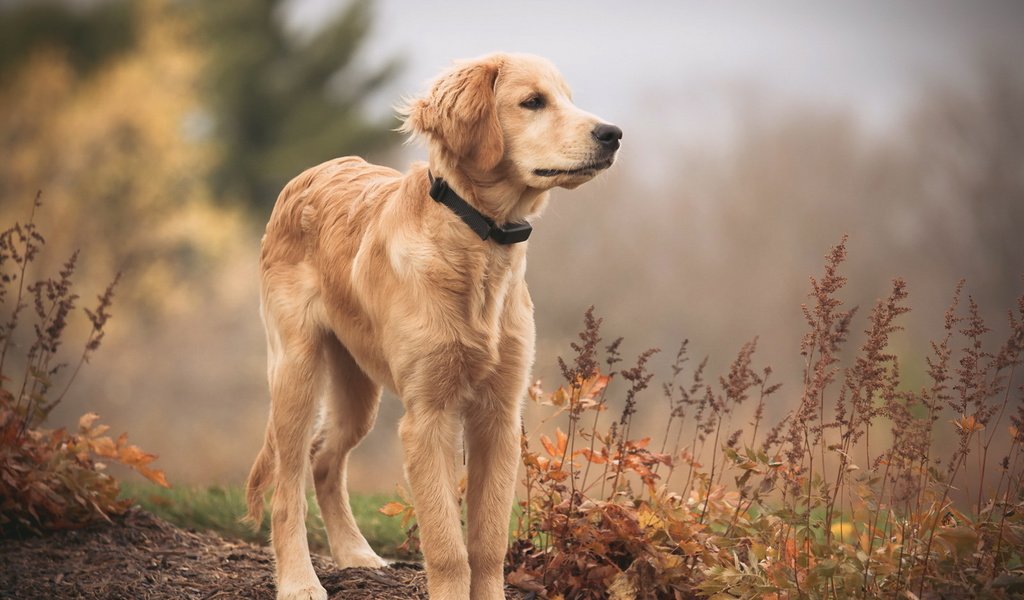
(350, 401)
(296, 376)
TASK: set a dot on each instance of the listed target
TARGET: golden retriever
(367, 282)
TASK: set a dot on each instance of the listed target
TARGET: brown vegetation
(50, 479)
(850, 494)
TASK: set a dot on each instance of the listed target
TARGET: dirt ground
(143, 557)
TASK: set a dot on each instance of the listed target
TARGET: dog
(415, 282)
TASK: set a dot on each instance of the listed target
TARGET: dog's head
(512, 115)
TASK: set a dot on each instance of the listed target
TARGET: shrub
(50, 479)
(811, 507)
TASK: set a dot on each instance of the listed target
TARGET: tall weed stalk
(50, 479)
(864, 488)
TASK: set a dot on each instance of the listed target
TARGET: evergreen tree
(282, 103)
(87, 35)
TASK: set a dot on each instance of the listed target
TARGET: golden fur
(368, 283)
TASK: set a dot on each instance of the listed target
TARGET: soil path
(143, 557)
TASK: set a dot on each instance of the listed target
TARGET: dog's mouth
(585, 169)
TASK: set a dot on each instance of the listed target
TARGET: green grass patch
(219, 508)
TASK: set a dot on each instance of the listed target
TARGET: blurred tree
(111, 150)
(124, 178)
(88, 35)
(282, 102)
(967, 146)
(121, 147)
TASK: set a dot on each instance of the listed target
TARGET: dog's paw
(362, 558)
(302, 592)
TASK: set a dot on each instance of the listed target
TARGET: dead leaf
(968, 424)
(104, 447)
(391, 509)
(524, 581)
(591, 388)
(86, 421)
(559, 397)
(155, 476)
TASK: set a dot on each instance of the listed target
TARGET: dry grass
(863, 489)
(50, 479)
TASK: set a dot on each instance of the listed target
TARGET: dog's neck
(492, 193)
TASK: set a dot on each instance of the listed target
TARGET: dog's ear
(460, 113)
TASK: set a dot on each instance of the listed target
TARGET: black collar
(511, 233)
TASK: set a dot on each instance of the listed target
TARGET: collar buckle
(512, 233)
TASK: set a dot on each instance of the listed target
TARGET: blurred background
(756, 135)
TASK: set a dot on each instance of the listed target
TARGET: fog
(756, 136)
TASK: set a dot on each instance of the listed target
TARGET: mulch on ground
(142, 557)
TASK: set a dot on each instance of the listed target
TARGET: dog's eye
(533, 103)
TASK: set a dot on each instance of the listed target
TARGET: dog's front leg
(429, 432)
(492, 435)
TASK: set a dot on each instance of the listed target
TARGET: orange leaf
(155, 476)
(391, 509)
(559, 397)
(968, 423)
(549, 446)
(558, 475)
(592, 387)
(134, 456)
(103, 446)
(592, 456)
(563, 440)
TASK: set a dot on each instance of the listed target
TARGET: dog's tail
(261, 477)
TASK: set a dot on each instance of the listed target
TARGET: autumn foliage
(864, 487)
(50, 479)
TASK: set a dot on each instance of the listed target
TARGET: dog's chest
(464, 282)
(418, 299)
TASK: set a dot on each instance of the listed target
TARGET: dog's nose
(607, 135)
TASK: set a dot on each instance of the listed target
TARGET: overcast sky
(673, 67)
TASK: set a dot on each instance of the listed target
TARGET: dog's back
(336, 194)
